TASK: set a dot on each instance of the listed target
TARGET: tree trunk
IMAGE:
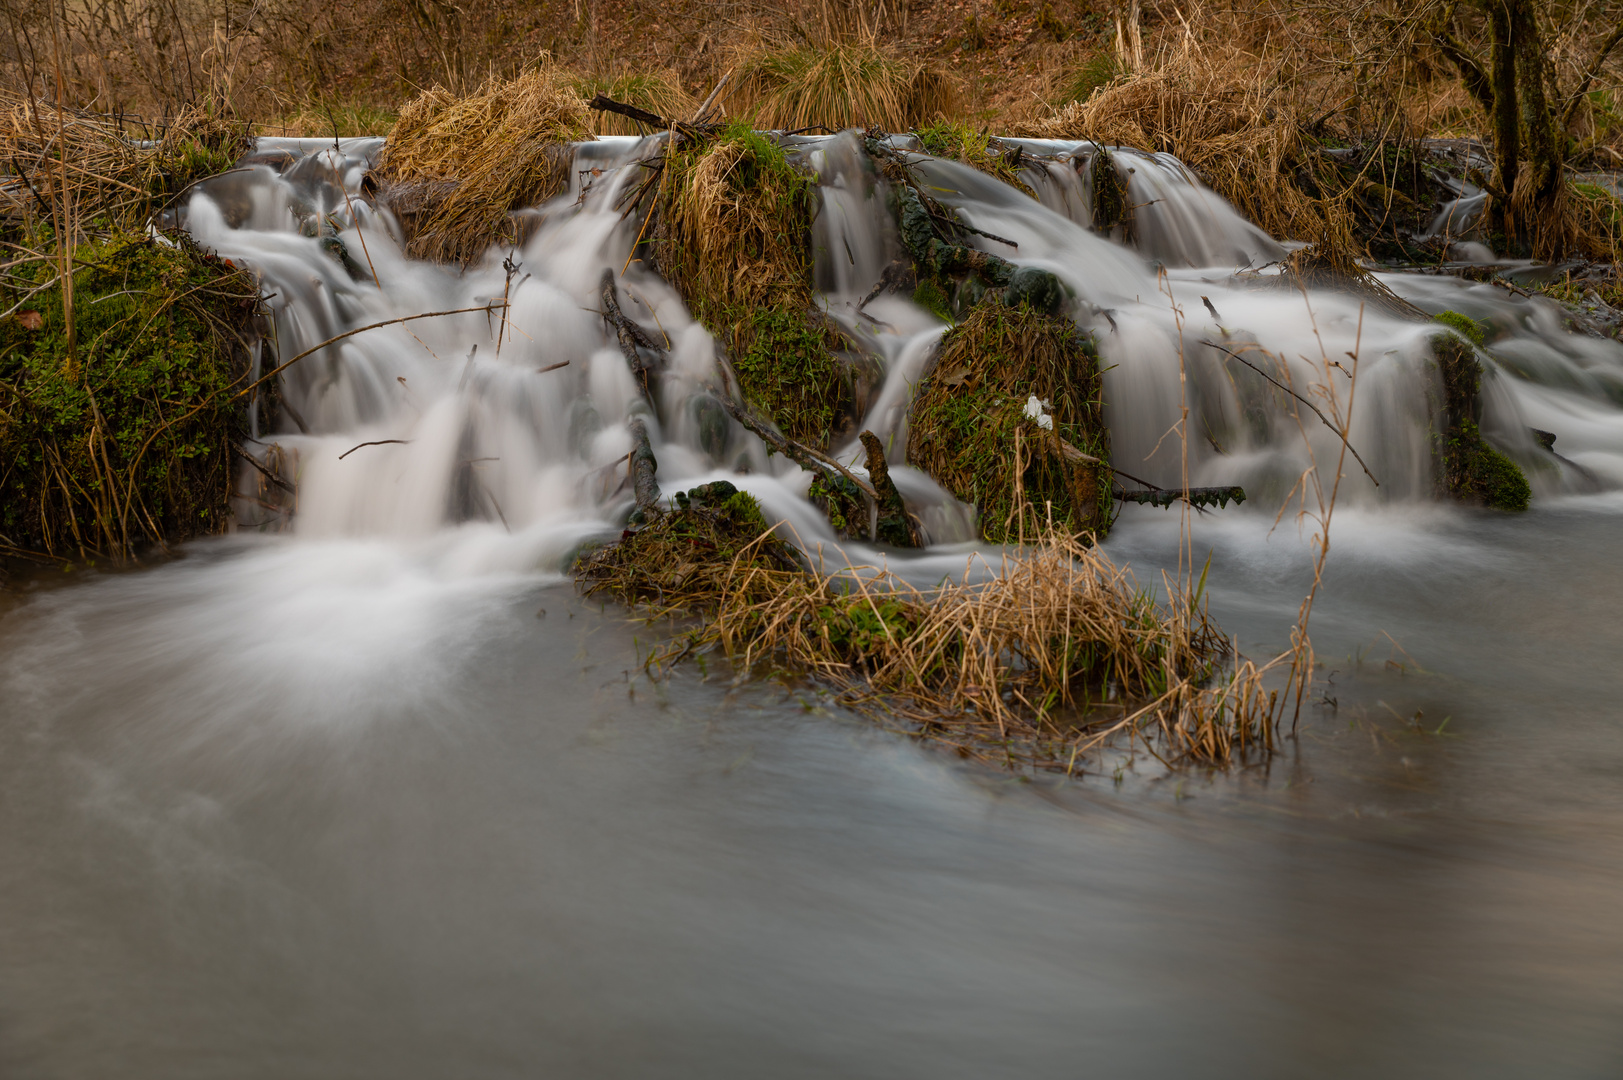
(1543, 146)
(1506, 126)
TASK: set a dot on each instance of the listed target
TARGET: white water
(509, 430)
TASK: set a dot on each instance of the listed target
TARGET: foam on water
(504, 435)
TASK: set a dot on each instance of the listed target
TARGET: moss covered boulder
(1473, 471)
(735, 238)
(1015, 398)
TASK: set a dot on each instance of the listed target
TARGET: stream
(367, 789)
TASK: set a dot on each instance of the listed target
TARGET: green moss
(1479, 473)
(126, 440)
(785, 367)
(930, 296)
(970, 413)
(1474, 332)
(682, 557)
(960, 142)
(1473, 470)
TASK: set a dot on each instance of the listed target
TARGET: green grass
(126, 441)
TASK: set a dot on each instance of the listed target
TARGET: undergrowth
(124, 441)
(1040, 663)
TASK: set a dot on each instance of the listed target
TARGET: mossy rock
(682, 558)
(971, 412)
(125, 441)
(1473, 471)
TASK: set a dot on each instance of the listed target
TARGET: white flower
(1034, 410)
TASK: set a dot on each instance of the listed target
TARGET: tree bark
(1506, 122)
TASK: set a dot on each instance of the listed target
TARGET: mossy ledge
(1473, 471)
(124, 442)
(973, 426)
(734, 237)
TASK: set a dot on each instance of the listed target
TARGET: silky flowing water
(367, 789)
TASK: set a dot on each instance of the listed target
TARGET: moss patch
(962, 143)
(1473, 471)
(127, 441)
(735, 240)
(1474, 332)
(683, 558)
(969, 410)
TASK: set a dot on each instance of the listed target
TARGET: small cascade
(503, 431)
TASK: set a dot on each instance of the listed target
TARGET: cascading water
(511, 422)
(391, 799)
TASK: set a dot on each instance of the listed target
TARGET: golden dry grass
(1056, 654)
(736, 221)
(838, 85)
(118, 171)
(469, 161)
(1226, 115)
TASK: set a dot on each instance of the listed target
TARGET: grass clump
(683, 559)
(123, 439)
(455, 167)
(1056, 653)
(836, 85)
(735, 240)
(972, 427)
(1472, 470)
(960, 142)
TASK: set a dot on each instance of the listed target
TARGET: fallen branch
(1196, 497)
(628, 333)
(601, 103)
(272, 477)
(643, 467)
(1324, 419)
(801, 455)
(374, 442)
(268, 376)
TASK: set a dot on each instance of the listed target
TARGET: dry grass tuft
(457, 166)
(839, 85)
(118, 170)
(1227, 116)
(736, 221)
(1057, 654)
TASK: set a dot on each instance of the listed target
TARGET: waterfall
(504, 431)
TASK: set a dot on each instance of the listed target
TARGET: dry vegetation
(1042, 662)
(1248, 94)
(456, 165)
